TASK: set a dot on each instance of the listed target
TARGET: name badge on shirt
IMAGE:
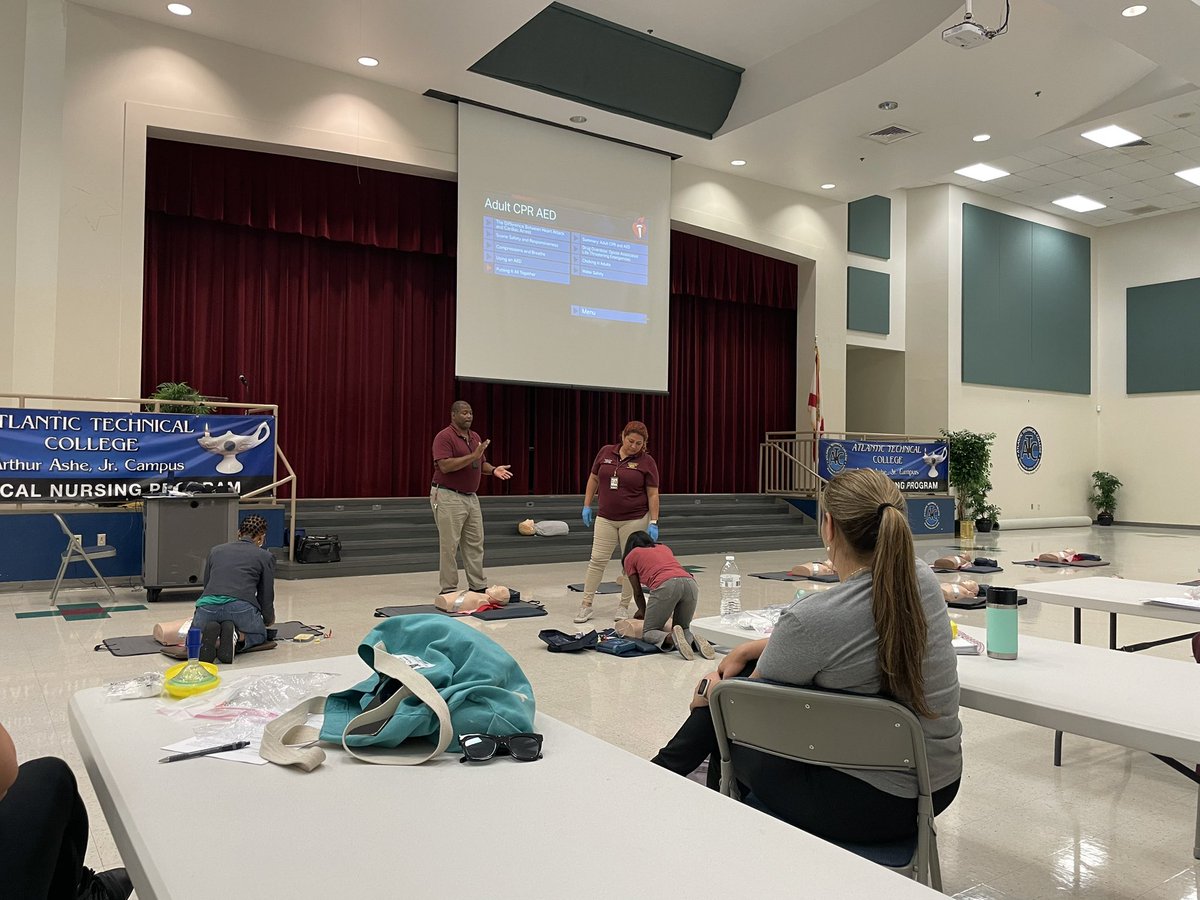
(612, 482)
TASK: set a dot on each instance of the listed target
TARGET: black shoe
(111, 885)
(208, 642)
(228, 644)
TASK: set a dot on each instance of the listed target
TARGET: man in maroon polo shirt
(458, 463)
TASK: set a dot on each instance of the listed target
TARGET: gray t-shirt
(828, 640)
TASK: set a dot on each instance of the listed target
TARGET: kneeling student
(239, 594)
(673, 596)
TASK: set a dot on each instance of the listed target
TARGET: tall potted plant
(1104, 496)
(969, 474)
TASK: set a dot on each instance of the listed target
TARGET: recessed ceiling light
(1079, 203)
(1192, 175)
(889, 105)
(179, 9)
(1130, 11)
(981, 172)
(578, 120)
(369, 61)
(1111, 136)
(828, 186)
(980, 138)
(737, 162)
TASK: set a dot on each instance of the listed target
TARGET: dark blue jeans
(245, 617)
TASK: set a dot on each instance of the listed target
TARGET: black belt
(442, 487)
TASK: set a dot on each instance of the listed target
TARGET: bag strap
(287, 741)
(413, 684)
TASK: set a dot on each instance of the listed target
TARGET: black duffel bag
(319, 548)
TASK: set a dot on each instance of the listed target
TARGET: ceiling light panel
(1079, 203)
(1111, 136)
(981, 172)
(1192, 175)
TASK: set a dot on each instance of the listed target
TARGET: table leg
(1112, 631)
(1196, 848)
(1078, 639)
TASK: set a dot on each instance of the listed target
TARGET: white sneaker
(703, 646)
(681, 644)
(623, 612)
(585, 613)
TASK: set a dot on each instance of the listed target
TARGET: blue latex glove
(653, 532)
(588, 516)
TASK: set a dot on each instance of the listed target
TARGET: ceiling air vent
(1144, 210)
(890, 135)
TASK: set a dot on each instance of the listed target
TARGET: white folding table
(1142, 702)
(588, 821)
(1115, 596)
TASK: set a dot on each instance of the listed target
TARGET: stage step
(386, 535)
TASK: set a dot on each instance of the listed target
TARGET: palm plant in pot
(173, 397)
(970, 474)
(1104, 496)
(988, 517)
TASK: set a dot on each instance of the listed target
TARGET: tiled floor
(1110, 823)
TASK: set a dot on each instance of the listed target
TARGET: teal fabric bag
(434, 678)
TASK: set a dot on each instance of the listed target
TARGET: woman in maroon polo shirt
(625, 478)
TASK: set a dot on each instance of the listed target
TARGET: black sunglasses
(482, 747)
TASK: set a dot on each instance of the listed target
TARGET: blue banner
(50, 454)
(913, 465)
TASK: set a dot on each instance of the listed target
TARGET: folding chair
(827, 729)
(76, 552)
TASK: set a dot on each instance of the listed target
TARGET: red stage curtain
(340, 309)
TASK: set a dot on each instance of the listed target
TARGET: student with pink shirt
(673, 596)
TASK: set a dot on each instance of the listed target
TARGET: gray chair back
(820, 728)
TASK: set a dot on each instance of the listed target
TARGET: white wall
(12, 71)
(1067, 423)
(1148, 441)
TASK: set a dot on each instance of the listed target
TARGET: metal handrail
(246, 408)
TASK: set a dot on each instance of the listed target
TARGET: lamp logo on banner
(913, 465)
(64, 455)
(1029, 449)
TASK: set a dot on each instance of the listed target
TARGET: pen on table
(224, 748)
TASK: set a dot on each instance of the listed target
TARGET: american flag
(814, 401)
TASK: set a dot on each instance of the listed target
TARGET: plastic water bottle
(731, 591)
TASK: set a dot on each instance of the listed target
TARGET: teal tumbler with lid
(1001, 623)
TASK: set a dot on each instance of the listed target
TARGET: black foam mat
(606, 587)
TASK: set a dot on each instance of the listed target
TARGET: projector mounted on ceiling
(968, 33)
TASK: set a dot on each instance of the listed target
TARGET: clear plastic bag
(148, 684)
(256, 697)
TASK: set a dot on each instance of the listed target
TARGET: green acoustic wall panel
(569, 53)
(1161, 325)
(867, 306)
(869, 228)
(1026, 304)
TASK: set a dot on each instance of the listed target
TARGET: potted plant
(969, 474)
(989, 517)
(172, 393)
(1104, 496)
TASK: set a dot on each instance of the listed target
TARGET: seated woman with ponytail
(883, 630)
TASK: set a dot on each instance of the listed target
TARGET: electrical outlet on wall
(101, 539)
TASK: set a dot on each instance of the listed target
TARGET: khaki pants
(608, 536)
(460, 528)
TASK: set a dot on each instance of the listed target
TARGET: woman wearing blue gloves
(625, 479)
